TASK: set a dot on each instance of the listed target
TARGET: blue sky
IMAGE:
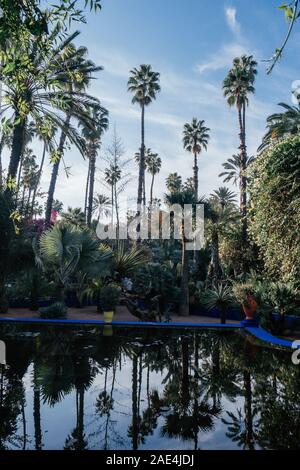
(192, 44)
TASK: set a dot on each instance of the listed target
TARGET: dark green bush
(57, 310)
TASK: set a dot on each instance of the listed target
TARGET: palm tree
(41, 93)
(181, 197)
(102, 204)
(153, 165)
(221, 221)
(237, 86)
(233, 172)
(224, 197)
(195, 139)
(77, 81)
(74, 216)
(219, 296)
(93, 139)
(144, 84)
(173, 182)
(112, 176)
(280, 125)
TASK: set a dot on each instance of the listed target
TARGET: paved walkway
(122, 315)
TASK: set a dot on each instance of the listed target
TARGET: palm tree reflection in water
(142, 389)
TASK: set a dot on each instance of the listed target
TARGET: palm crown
(195, 136)
(144, 84)
(239, 81)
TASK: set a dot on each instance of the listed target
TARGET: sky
(192, 45)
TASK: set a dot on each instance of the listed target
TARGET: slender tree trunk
(142, 159)
(17, 149)
(151, 190)
(117, 210)
(184, 308)
(243, 178)
(38, 177)
(37, 412)
(87, 189)
(134, 430)
(185, 389)
(91, 186)
(1, 166)
(248, 410)
(214, 270)
(55, 169)
(196, 176)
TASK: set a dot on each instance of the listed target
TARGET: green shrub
(56, 311)
(109, 297)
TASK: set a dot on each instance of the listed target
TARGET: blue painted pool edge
(250, 327)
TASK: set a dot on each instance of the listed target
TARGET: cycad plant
(219, 297)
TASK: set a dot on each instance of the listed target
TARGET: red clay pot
(250, 308)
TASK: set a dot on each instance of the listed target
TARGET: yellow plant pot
(107, 330)
(108, 316)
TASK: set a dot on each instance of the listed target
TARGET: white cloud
(232, 22)
(223, 58)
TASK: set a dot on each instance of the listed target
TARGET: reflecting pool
(145, 388)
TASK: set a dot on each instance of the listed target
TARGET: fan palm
(93, 139)
(74, 216)
(280, 125)
(237, 86)
(102, 204)
(219, 296)
(195, 139)
(173, 182)
(144, 84)
(65, 249)
(36, 86)
(153, 165)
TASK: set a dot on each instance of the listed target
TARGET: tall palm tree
(40, 91)
(74, 216)
(183, 195)
(195, 139)
(144, 84)
(174, 182)
(237, 86)
(280, 125)
(93, 139)
(102, 204)
(112, 176)
(77, 81)
(153, 165)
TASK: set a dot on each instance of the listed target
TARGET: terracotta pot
(250, 308)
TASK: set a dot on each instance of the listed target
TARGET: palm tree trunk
(17, 148)
(91, 188)
(142, 159)
(196, 176)
(248, 410)
(134, 430)
(214, 270)
(117, 211)
(243, 179)
(87, 189)
(38, 177)
(37, 412)
(55, 168)
(151, 190)
(1, 166)
(184, 309)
